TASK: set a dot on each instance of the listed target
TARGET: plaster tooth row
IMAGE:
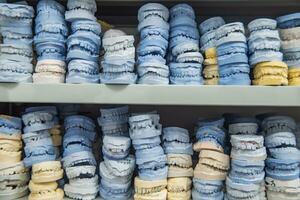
(289, 33)
(14, 176)
(79, 161)
(152, 49)
(16, 51)
(177, 146)
(282, 171)
(50, 37)
(208, 46)
(83, 45)
(184, 58)
(116, 170)
(248, 154)
(119, 58)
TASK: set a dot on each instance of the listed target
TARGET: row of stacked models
(51, 153)
(54, 44)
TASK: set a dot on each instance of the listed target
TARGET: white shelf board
(151, 95)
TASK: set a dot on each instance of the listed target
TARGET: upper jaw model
(16, 51)
(119, 58)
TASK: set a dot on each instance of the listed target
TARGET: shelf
(151, 95)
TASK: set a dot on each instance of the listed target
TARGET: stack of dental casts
(282, 164)
(264, 53)
(208, 46)
(211, 170)
(51, 32)
(78, 158)
(184, 56)
(16, 52)
(40, 153)
(151, 182)
(14, 176)
(119, 58)
(289, 30)
(116, 170)
(179, 152)
(232, 52)
(84, 42)
(246, 177)
(152, 49)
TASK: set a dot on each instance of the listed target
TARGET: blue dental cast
(232, 54)
(16, 51)
(116, 170)
(154, 30)
(185, 60)
(51, 32)
(119, 58)
(83, 45)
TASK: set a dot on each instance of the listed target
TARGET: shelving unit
(151, 95)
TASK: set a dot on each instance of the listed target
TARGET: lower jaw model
(150, 190)
(179, 188)
(13, 181)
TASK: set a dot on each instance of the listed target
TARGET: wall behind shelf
(182, 116)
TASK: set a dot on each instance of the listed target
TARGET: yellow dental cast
(150, 190)
(10, 151)
(43, 181)
(294, 76)
(45, 191)
(210, 71)
(273, 73)
(179, 188)
(46, 172)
